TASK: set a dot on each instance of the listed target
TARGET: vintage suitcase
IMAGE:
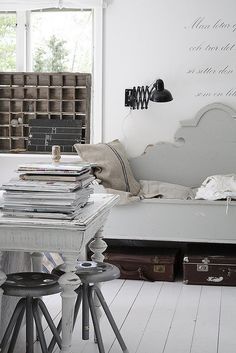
(213, 269)
(150, 264)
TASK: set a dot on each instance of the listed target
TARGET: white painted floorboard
(227, 336)
(163, 317)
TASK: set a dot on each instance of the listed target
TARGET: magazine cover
(48, 215)
(20, 195)
(41, 185)
(81, 176)
(66, 166)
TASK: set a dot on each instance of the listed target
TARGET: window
(8, 42)
(35, 41)
(44, 43)
(61, 48)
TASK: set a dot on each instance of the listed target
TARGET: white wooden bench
(204, 146)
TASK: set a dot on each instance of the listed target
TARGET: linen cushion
(112, 165)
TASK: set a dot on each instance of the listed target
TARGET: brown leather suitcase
(150, 264)
(212, 269)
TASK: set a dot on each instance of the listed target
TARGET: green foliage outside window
(8, 42)
(52, 57)
(57, 47)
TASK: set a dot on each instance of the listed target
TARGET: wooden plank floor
(163, 317)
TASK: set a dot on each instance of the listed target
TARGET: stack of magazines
(56, 191)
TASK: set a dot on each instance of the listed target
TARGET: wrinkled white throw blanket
(159, 189)
(217, 187)
(214, 187)
(154, 189)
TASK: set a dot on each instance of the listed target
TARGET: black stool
(30, 286)
(91, 273)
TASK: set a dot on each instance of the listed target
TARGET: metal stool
(91, 273)
(30, 286)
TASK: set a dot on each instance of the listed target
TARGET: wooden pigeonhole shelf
(38, 110)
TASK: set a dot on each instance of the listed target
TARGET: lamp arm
(139, 97)
(154, 86)
(152, 89)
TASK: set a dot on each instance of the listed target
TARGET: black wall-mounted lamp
(139, 97)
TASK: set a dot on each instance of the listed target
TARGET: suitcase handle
(137, 272)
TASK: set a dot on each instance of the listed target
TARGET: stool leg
(78, 302)
(29, 326)
(11, 324)
(39, 328)
(16, 331)
(85, 313)
(95, 320)
(110, 319)
(49, 321)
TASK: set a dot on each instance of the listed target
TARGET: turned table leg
(69, 281)
(37, 261)
(98, 246)
(37, 266)
(3, 278)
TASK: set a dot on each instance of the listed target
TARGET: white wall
(150, 39)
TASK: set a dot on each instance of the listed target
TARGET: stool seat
(30, 286)
(91, 272)
(33, 284)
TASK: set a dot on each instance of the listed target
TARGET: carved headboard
(204, 146)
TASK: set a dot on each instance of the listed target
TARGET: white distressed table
(66, 237)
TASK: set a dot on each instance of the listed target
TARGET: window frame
(23, 62)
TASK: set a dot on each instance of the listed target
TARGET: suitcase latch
(159, 268)
(202, 267)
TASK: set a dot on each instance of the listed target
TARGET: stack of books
(57, 191)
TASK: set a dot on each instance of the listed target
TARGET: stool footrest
(32, 307)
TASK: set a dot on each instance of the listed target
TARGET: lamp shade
(159, 93)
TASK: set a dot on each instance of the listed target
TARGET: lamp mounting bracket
(128, 97)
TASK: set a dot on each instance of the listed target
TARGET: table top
(30, 235)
